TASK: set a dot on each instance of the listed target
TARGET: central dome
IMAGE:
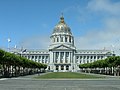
(62, 35)
(62, 28)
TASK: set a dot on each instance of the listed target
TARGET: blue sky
(95, 24)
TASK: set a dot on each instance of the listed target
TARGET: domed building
(62, 48)
(62, 55)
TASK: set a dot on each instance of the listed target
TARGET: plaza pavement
(29, 83)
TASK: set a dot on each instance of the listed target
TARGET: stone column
(34, 58)
(85, 60)
(64, 58)
(69, 58)
(45, 59)
(48, 59)
(59, 67)
(96, 57)
(58, 57)
(40, 59)
(72, 57)
(53, 57)
(78, 59)
(61, 57)
(68, 39)
(82, 59)
(27, 57)
(64, 68)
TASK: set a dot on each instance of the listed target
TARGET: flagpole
(8, 47)
(8, 44)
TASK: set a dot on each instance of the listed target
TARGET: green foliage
(0, 66)
(112, 61)
(12, 59)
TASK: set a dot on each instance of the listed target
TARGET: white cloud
(105, 6)
(36, 42)
(110, 33)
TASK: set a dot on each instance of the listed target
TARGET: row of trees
(110, 65)
(14, 65)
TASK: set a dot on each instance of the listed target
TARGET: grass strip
(68, 75)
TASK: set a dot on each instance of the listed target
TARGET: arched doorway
(62, 67)
(67, 67)
(57, 67)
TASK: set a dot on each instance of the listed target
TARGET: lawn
(67, 75)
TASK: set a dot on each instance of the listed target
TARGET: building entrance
(62, 67)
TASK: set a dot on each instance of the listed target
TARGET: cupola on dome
(62, 28)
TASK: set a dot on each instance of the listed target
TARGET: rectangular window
(65, 39)
(91, 57)
(80, 57)
(32, 57)
(77, 57)
(39, 57)
(61, 39)
(42, 57)
(87, 57)
(35, 57)
(80, 61)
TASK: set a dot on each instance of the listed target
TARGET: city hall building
(62, 55)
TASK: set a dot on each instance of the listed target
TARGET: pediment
(62, 47)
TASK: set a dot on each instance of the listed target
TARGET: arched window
(53, 39)
(65, 39)
(70, 39)
(62, 67)
(57, 67)
(61, 39)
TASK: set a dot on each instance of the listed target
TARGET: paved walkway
(29, 83)
(107, 76)
(35, 75)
